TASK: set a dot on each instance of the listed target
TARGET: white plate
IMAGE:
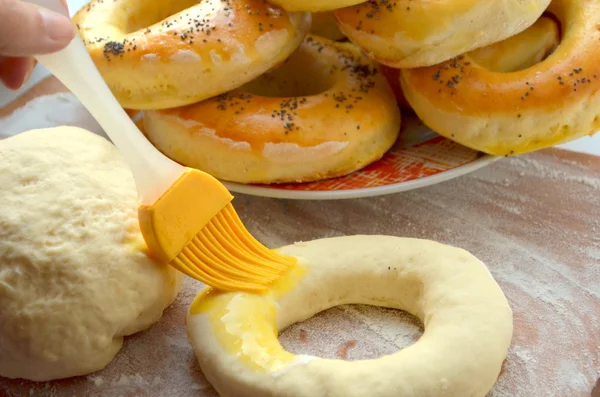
(267, 191)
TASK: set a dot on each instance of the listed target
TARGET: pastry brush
(186, 216)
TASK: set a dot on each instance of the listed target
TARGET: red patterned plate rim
(419, 158)
(405, 167)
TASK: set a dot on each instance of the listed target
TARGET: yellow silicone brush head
(194, 227)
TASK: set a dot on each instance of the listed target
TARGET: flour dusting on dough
(300, 360)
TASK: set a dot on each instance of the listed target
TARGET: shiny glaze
(509, 113)
(352, 96)
(233, 317)
(167, 49)
(481, 90)
(408, 34)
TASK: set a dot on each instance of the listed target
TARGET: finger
(15, 71)
(27, 30)
(64, 3)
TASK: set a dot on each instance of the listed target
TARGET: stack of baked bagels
(252, 91)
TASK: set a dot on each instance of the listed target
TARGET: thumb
(28, 30)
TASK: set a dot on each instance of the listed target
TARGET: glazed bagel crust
(467, 321)
(350, 120)
(517, 52)
(520, 51)
(162, 54)
(552, 102)
(409, 34)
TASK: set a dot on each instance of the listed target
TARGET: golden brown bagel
(515, 53)
(548, 103)
(408, 34)
(521, 51)
(161, 54)
(324, 113)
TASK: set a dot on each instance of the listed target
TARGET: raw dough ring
(467, 319)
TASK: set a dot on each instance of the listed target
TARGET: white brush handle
(153, 172)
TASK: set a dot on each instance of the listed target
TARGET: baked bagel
(161, 54)
(521, 51)
(548, 103)
(518, 52)
(324, 113)
(408, 34)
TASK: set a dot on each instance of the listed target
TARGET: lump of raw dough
(74, 274)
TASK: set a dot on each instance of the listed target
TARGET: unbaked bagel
(467, 321)
(548, 103)
(517, 52)
(324, 113)
(75, 274)
(408, 34)
(161, 54)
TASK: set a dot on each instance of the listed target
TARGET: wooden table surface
(534, 220)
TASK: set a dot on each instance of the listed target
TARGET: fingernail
(58, 27)
(18, 80)
(28, 73)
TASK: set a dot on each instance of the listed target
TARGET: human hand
(27, 30)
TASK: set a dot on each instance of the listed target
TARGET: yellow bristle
(226, 256)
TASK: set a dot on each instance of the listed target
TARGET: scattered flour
(556, 174)
(534, 220)
(50, 111)
(353, 332)
(530, 219)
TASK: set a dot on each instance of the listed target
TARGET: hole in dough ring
(467, 320)
(163, 54)
(504, 114)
